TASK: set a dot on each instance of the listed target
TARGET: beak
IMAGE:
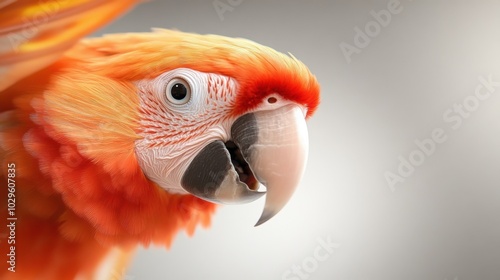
(271, 148)
(275, 144)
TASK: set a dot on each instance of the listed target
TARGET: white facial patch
(181, 112)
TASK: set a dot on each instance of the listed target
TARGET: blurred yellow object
(33, 34)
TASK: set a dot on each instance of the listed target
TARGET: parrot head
(215, 117)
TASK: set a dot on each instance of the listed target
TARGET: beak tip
(266, 216)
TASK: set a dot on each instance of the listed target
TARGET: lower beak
(274, 145)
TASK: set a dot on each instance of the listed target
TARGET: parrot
(125, 140)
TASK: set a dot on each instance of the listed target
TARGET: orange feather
(38, 32)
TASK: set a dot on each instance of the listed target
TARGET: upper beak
(274, 144)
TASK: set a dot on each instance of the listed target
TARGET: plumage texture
(260, 70)
(71, 128)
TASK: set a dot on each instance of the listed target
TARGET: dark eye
(178, 91)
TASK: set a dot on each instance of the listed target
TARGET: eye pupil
(178, 91)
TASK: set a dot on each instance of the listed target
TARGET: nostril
(272, 100)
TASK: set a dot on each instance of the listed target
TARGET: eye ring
(178, 91)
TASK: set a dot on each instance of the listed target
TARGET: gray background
(441, 223)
